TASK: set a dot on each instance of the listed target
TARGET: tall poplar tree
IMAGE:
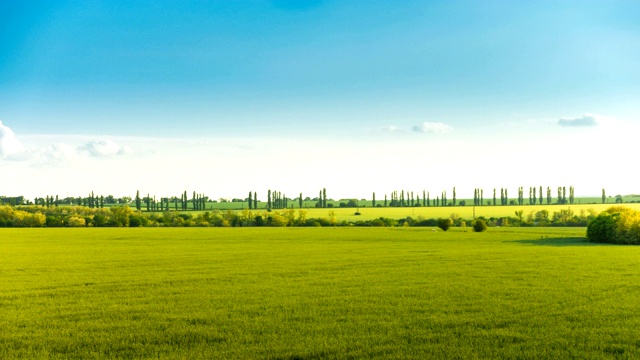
(324, 197)
(541, 197)
(571, 195)
(454, 196)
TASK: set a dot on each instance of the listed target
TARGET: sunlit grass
(314, 293)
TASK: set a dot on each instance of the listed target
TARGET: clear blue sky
(467, 78)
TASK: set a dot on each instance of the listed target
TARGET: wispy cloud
(56, 153)
(389, 128)
(432, 127)
(587, 120)
(104, 148)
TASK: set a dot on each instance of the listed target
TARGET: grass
(309, 293)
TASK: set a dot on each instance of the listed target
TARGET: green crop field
(310, 293)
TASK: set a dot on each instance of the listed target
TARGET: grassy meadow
(310, 293)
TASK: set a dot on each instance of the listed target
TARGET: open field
(308, 293)
(465, 212)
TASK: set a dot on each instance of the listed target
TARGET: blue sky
(127, 87)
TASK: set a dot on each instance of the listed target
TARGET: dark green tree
(479, 225)
(324, 197)
(604, 198)
(445, 223)
(571, 195)
(540, 194)
(454, 196)
(520, 196)
(535, 196)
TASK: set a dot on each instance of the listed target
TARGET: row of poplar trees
(198, 202)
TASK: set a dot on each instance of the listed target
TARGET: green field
(310, 293)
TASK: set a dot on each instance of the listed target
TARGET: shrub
(601, 228)
(479, 225)
(76, 221)
(444, 223)
(617, 225)
(135, 221)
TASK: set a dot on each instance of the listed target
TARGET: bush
(444, 223)
(479, 225)
(617, 225)
(76, 221)
(601, 229)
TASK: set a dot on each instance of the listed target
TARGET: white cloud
(389, 128)
(54, 154)
(104, 148)
(56, 150)
(432, 127)
(10, 146)
(587, 120)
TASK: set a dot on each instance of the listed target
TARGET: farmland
(465, 212)
(285, 293)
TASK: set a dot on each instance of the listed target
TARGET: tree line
(124, 216)
(277, 200)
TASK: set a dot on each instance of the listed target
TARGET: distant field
(465, 212)
(308, 293)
